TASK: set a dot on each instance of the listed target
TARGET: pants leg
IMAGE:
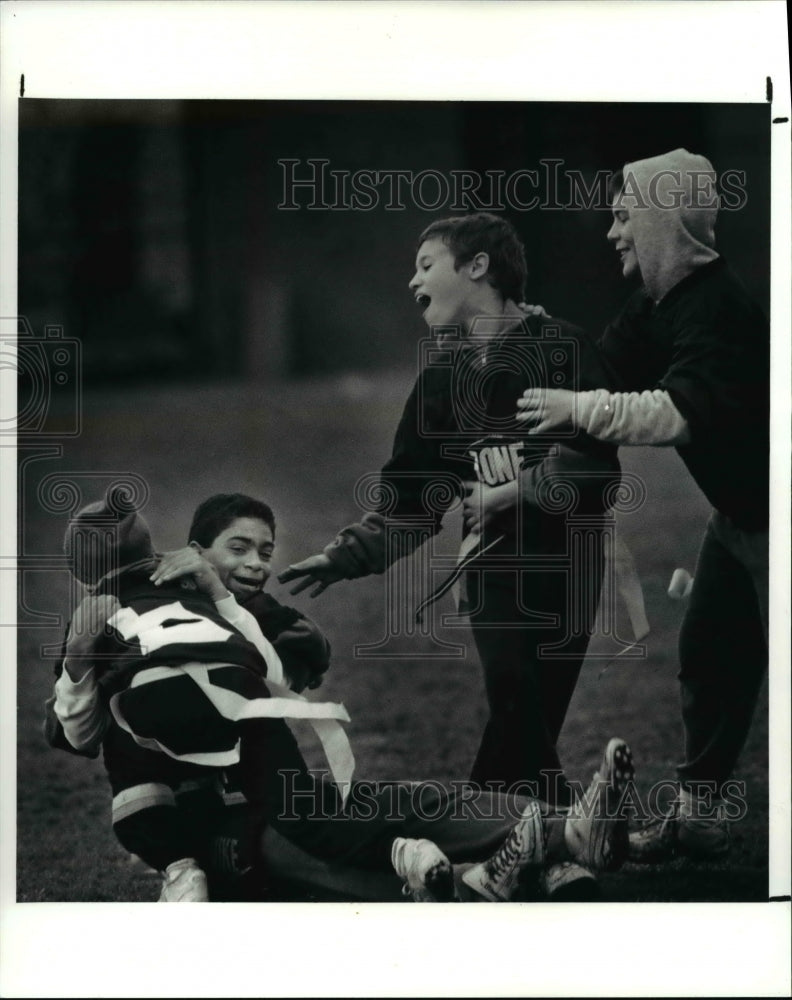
(146, 820)
(468, 826)
(529, 687)
(723, 655)
(308, 813)
(306, 810)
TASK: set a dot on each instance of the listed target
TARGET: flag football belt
(325, 718)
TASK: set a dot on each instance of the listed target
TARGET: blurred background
(151, 229)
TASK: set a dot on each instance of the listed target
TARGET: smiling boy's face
(242, 556)
(442, 292)
(621, 236)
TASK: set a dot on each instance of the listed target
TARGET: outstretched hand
(546, 410)
(317, 571)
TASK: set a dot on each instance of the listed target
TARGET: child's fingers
(532, 310)
(530, 400)
(312, 566)
(303, 584)
(175, 565)
(290, 573)
(543, 427)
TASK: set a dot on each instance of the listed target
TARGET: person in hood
(689, 359)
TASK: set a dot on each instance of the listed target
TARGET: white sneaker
(569, 882)
(596, 829)
(498, 878)
(426, 871)
(184, 882)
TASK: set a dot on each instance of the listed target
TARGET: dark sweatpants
(531, 629)
(245, 861)
(722, 651)
(283, 795)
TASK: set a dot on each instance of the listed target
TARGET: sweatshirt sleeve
(359, 549)
(631, 418)
(303, 648)
(80, 710)
(244, 622)
(590, 475)
(373, 544)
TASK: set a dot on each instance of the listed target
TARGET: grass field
(302, 446)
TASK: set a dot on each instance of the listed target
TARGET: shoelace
(505, 857)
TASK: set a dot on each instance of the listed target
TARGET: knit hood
(105, 537)
(673, 204)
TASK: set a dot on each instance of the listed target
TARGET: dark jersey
(273, 618)
(169, 625)
(707, 343)
(459, 424)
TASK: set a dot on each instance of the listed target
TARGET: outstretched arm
(357, 550)
(316, 571)
(626, 418)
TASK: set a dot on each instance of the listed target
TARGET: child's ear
(479, 266)
(195, 545)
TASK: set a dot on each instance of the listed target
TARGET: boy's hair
(215, 514)
(482, 232)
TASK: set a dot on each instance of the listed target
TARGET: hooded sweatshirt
(689, 353)
(673, 205)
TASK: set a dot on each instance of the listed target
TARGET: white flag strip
(629, 586)
(325, 718)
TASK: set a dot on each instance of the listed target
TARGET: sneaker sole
(619, 773)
